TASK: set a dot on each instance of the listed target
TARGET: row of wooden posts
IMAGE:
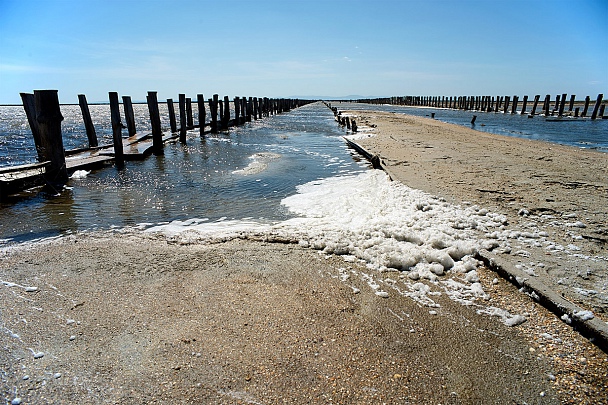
(44, 116)
(346, 121)
(505, 104)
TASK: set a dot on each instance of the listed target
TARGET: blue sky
(302, 48)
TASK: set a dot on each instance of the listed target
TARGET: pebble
(57, 375)
(38, 355)
(72, 337)
(382, 294)
(16, 401)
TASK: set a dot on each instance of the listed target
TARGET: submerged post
(116, 129)
(182, 118)
(172, 120)
(157, 133)
(129, 116)
(30, 112)
(88, 122)
(598, 102)
(48, 116)
(202, 114)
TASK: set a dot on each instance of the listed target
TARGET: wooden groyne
(561, 105)
(55, 164)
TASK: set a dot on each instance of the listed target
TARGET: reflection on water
(194, 180)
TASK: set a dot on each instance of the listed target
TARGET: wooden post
(515, 102)
(524, 105)
(598, 102)
(601, 113)
(129, 116)
(172, 120)
(237, 111)
(507, 100)
(88, 122)
(226, 117)
(473, 120)
(202, 114)
(571, 105)
(157, 133)
(536, 98)
(213, 107)
(576, 112)
(255, 108)
(48, 116)
(30, 112)
(116, 129)
(249, 108)
(556, 107)
(547, 104)
(562, 104)
(189, 118)
(587, 100)
(182, 118)
(243, 109)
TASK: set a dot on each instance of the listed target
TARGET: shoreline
(556, 191)
(128, 317)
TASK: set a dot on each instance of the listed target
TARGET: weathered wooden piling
(249, 109)
(202, 113)
(586, 107)
(172, 120)
(127, 106)
(116, 129)
(157, 132)
(237, 111)
(48, 116)
(226, 117)
(562, 105)
(182, 118)
(255, 108)
(213, 104)
(88, 122)
(536, 98)
(507, 100)
(598, 103)
(30, 112)
(243, 109)
(571, 105)
(515, 102)
(547, 104)
(524, 105)
(189, 117)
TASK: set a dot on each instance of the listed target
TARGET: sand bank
(554, 197)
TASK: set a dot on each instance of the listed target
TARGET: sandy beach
(131, 318)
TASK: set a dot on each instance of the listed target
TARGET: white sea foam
(384, 224)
